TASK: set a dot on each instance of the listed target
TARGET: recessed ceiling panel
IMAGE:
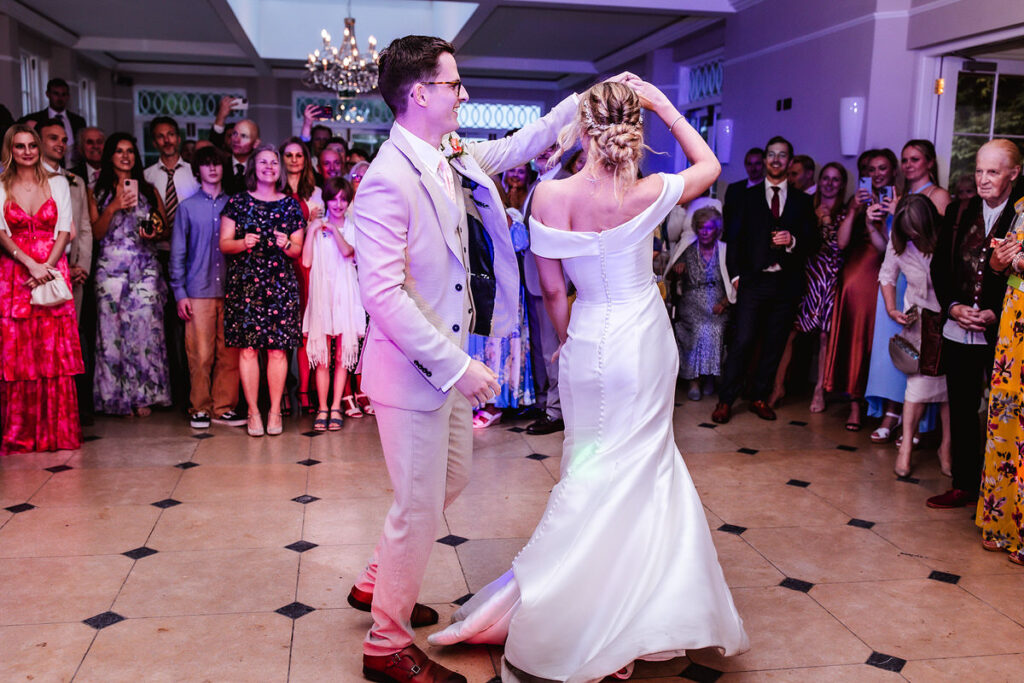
(191, 20)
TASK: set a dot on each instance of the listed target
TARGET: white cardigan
(689, 238)
(61, 194)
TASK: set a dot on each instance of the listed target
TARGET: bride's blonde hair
(610, 115)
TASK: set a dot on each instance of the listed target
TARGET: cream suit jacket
(412, 254)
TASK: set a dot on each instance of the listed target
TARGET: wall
(939, 21)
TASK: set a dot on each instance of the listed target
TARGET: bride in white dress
(621, 566)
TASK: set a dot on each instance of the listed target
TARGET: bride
(621, 566)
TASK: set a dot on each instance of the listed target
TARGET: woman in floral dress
(131, 357)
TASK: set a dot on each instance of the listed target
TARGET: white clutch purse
(52, 293)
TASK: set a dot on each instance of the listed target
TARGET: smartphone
(887, 192)
(326, 111)
(864, 184)
(132, 185)
(240, 103)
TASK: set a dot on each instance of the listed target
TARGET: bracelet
(1015, 261)
(681, 116)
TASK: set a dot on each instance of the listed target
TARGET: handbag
(918, 348)
(52, 293)
(155, 228)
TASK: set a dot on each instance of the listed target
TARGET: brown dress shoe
(722, 413)
(421, 614)
(762, 410)
(410, 665)
(953, 498)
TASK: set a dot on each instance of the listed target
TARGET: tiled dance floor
(160, 554)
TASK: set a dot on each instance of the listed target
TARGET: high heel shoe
(272, 428)
(286, 406)
(352, 409)
(363, 401)
(254, 424)
(885, 434)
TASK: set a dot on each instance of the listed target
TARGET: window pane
(973, 102)
(961, 160)
(1010, 105)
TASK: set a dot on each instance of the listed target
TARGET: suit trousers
(428, 456)
(765, 309)
(968, 369)
(543, 344)
(213, 366)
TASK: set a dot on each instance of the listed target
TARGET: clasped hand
(38, 274)
(479, 384)
(970, 318)
(1003, 254)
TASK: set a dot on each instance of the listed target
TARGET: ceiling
(545, 44)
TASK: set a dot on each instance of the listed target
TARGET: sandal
(484, 418)
(254, 424)
(274, 429)
(991, 546)
(917, 440)
(363, 401)
(286, 406)
(142, 411)
(320, 423)
(352, 410)
(885, 434)
(1016, 558)
(335, 423)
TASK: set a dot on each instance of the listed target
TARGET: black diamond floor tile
(186, 465)
(305, 499)
(700, 673)
(798, 482)
(862, 523)
(747, 451)
(91, 437)
(103, 620)
(798, 423)
(166, 503)
(708, 425)
(204, 435)
(452, 540)
(732, 529)
(848, 449)
(796, 584)
(308, 462)
(295, 610)
(909, 480)
(311, 433)
(463, 600)
(886, 662)
(538, 456)
(140, 553)
(517, 429)
(58, 468)
(22, 507)
(944, 577)
(301, 546)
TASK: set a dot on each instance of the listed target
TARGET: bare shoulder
(549, 201)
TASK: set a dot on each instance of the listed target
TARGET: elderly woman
(356, 173)
(39, 345)
(131, 357)
(261, 231)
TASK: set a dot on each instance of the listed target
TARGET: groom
(411, 242)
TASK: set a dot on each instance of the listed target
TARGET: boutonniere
(452, 146)
(70, 177)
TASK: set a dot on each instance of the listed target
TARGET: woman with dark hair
(260, 231)
(815, 311)
(131, 357)
(39, 347)
(920, 173)
(915, 231)
(300, 184)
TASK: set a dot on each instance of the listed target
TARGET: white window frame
(189, 125)
(87, 100)
(35, 72)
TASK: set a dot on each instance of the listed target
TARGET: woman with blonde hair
(624, 541)
(39, 347)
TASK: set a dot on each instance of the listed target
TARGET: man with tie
(753, 164)
(90, 152)
(771, 231)
(58, 94)
(243, 138)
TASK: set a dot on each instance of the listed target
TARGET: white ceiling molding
(559, 66)
(37, 22)
(674, 6)
(165, 47)
(186, 69)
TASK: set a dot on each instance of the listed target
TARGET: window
(988, 105)
(193, 108)
(35, 71)
(700, 95)
(87, 100)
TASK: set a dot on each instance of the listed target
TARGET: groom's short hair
(406, 61)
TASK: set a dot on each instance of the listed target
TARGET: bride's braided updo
(610, 115)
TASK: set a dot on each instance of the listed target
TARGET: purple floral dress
(131, 357)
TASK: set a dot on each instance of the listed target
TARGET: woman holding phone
(131, 357)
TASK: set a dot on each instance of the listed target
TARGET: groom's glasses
(456, 86)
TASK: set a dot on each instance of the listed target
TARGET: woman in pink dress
(39, 348)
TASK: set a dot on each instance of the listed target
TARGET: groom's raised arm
(382, 214)
(495, 156)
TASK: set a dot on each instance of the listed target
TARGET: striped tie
(170, 196)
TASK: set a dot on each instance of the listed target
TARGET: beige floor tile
(5, 516)
(496, 435)
(951, 544)
(832, 465)
(547, 444)
(781, 435)
(553, 465)
(84, 530)
(235, 524)
(348, 445)
(996, 669)
(113, 486)
(43, 653)
(51, 589)
(786, 629)
(769, 505)
(232, 647)
(348, 522)
(834, 554)
(1005, 593)
(485, 560)
(885, 500)
(920, 619)
(511, 448)
(742, 565)
(850, 673)
(209, 582)
(35, 461)
(514, 515)
(346, 480)
(212, 483)
(17, 486)
(693, 439)
(141, 449)
(497, 476)
(732, 468)
(472, 661)
(244, 450)
(328, 646)
(714, 521)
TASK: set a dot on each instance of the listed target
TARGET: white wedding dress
(621, 566)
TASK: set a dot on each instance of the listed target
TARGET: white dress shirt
(783, 192)
(185, 184)
(69, 150)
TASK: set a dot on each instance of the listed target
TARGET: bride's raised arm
(704, 167)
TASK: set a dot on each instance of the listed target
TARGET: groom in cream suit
(411, 242)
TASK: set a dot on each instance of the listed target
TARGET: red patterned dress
(39, 347)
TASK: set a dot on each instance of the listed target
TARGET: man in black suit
(971, 295)
(58, 94)
(240, 141)
(753, 163)
(772, 230)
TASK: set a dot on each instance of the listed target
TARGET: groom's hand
(478, 383)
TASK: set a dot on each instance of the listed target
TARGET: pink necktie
(446, 177)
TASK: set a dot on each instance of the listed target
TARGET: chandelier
(342, 69)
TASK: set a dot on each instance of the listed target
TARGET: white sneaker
(230, 418)
(199, 420)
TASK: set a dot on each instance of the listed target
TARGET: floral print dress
(261, 303)
(131, 356)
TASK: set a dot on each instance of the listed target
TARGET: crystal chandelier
(342, 69)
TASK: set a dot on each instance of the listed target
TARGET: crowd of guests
(196, 278)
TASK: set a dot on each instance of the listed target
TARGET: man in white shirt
(90, 151)
(801, 174)
(58, 94)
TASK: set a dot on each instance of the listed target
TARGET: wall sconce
(851, 124)
(723, 140)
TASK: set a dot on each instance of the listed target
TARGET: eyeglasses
(456, 86)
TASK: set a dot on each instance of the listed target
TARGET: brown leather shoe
(410, 665)
(722, 413)
(953, 498)
(762, 410)
(421, 614)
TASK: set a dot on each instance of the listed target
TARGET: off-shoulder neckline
(634, 219)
